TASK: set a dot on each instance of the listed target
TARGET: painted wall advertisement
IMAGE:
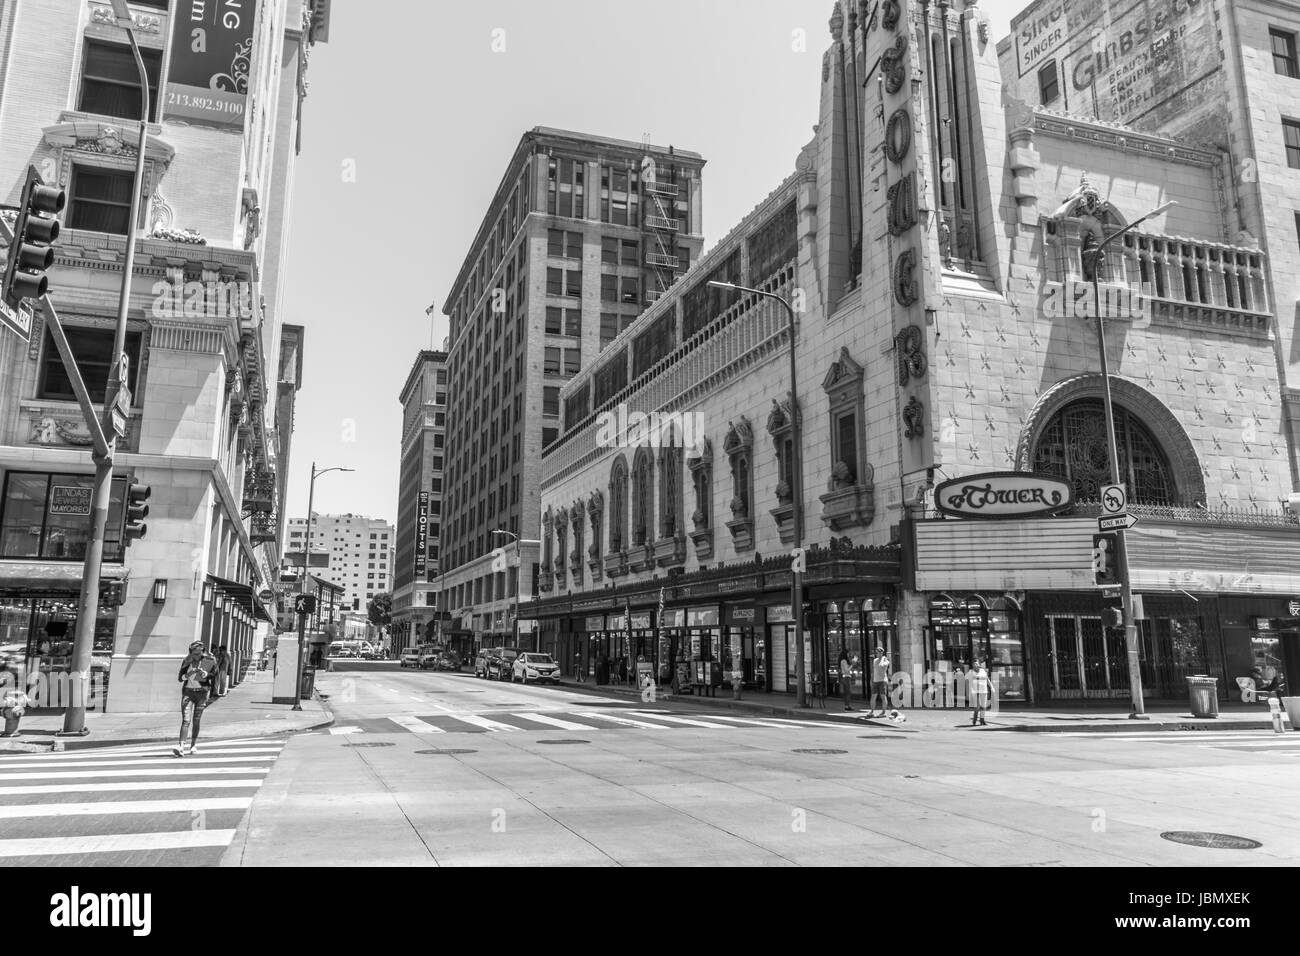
(1147, 63)
(212, 51)
(422, 537)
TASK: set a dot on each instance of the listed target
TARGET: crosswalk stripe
(485, 723)
(344, 730)
(113, 807)
(618, 719)
(757, 722)
(115, 843)
(684, 720)
(178, 770)
(552, 721)
(141, 785)
(53, 763)
(416, 725)
(99, 753)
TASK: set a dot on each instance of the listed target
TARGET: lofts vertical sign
(211, 56)
(906, 208)
(422, 538)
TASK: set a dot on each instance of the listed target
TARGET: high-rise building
(419, 499)
(206, 429)
(351, 551)
(582, 233)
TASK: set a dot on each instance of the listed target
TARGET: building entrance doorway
(1088, 660)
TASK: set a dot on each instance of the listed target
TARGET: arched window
(1073, 446)
(617, 505)
(642, 497)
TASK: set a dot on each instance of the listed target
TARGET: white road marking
(53, 763)
(757, 722)
(111, 807)
(553, 721)
(684, 720)
(486, 724)
(115, 843)
(616, 719)
(136, 785)
(345, 730)
(416, 725)
(177, 770)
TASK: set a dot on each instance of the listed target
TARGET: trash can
(308, 683)
(1203, 693)
(602, 671)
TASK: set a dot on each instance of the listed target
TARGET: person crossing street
(197, 673)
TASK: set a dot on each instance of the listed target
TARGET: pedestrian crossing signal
(1105, 567)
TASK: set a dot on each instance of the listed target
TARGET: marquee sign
(1004, 494)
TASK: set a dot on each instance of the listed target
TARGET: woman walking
(198, 671)
(977, 686)
(846, 679)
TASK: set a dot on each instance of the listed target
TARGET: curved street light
(306, 558)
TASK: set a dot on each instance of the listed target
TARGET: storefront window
(47, 517)
(978, 628)
(36, 639)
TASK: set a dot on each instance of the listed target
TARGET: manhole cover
(819, 750)
(1212, 841)
(371, 743)
(877, 737)
(440, 753)
(564, 741)
(911, 776)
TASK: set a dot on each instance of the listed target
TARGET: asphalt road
(424, 769)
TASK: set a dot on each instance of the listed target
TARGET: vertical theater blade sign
(906, 208)
(212, 50)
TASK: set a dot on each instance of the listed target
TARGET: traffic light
(35, 231)
(112, 594)
(1105, 560)
(137, 509)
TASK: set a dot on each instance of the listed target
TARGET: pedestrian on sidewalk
(846, 678)
(977, 687)
(223, 670)
(579, 672)
(198, 671)
(879, 682)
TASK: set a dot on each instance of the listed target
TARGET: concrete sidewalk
(1105, 717)
(246, 711)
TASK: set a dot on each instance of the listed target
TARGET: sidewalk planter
(1292, 706)
(1203, 693)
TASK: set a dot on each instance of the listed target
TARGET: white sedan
(535, 667)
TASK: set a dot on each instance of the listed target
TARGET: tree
(380, 609)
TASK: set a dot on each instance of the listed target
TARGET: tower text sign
(1003, 494)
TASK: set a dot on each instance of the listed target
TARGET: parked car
(484, 657)
(429, 654)
(410, 657)
(531, 666)
(448, 661)
(499, 667)
(342, 649)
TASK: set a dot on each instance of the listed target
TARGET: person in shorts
(977, 688)
(198, 671)
(879, 683)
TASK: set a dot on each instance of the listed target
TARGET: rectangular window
(609, 325)
(93, 349)
(572, 361)
(628, 252)
(609, 250)
(1049, 87)
(555, 242)
(551, 400)
(100, 199)
(573, 245)
(1284, 55)
(572, 321)
(1291, 134)
(549, 435)
(110, 81)
(554, 320)
(573, 284)
(846, 443)
(609, 288)
(629, 294)
(47, 516)
(551, 362)
(555, 282)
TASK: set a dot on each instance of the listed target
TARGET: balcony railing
(750, 324)
(662, 222)
(1228, 517)
(659, 259)
(662, 189)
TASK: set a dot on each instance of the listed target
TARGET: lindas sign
(1004, 494)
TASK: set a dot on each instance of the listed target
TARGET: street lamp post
(306, 558)
(74, 717)
(1112, 448)
(796, 482)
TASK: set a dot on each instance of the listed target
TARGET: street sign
(18, 321)
(119, 422)
(304, 604)
(1120, 522)
(1293, 607)
(1114, 499)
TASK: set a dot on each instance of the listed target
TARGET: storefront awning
(244, 595)
(29, 577)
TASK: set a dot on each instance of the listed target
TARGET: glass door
(1065, 654)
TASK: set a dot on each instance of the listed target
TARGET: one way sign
(1116, 522)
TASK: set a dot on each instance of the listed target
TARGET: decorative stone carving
(701, 469)
(892, 12)
(849, 504)
(898, 135)
(910, 345)
(893, 64)
(914, 418)
(48, 430)
(904, 284)
(739, 448)
(902, 205)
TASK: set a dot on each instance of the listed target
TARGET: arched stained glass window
(1073, 446)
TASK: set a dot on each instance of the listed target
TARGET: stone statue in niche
(1093, 212)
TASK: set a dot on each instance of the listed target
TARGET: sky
(413, 112)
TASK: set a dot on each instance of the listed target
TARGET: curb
(1142, 727)
(85, 743)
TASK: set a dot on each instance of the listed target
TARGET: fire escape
(260, 485)
(659, 228)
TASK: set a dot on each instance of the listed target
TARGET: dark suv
(502, 662)
(481, 661)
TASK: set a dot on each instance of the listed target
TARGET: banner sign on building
(211, 54)
(1003, 494)
(422, 538)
